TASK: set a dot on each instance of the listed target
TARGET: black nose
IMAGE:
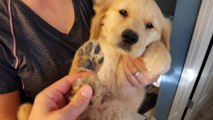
(129, 36)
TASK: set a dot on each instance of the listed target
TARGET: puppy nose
(129, 36)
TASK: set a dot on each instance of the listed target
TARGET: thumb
(78, 103)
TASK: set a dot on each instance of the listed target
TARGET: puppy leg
(89, 57)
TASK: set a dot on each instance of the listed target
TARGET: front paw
(90, 56)
(157, 59)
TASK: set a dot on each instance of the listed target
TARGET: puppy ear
(100, 7)
(165, 35)
(96, 26)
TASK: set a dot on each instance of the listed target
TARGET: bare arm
(9, 103)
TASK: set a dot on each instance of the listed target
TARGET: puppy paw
(157, 58)
(93, 82)
(90, 56)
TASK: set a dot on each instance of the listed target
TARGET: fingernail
(86, 91)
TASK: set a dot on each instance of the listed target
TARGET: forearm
(9, 104)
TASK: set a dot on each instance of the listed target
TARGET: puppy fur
(123, 100)
(112, 18)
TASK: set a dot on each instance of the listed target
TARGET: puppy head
(132, 24)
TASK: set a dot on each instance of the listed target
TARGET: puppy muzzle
(129, 37)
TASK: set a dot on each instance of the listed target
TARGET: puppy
(120, 27)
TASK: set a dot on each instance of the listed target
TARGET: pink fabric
(13, 35)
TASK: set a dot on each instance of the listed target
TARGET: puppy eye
(123, 12)
(149, 26)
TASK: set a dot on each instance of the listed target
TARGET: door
(193, 65)
(204, 88)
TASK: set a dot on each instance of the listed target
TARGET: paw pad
(90, 56)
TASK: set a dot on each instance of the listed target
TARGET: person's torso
(44, 53)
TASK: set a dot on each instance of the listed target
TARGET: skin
(11, 101)
(131, 66)
(50, 104)
(50, 11)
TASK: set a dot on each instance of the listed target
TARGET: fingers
(136, 73)
(138, 63)
(145, 78)
(52, 97)
(78, 103)
(62, 86)
(139, 77)
(128, 67)
(133, 81)
(50, 103)
(65, 83)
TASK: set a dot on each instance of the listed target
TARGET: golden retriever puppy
(120, 27)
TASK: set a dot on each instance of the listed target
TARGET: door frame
(202, 91)
(185, 17)
(198, 47)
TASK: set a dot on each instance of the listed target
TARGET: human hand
(51, 104)
(136, 73)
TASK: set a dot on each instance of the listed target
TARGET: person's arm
(9, 90)
(9, 104)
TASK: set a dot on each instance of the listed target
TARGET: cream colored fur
(123, 100)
